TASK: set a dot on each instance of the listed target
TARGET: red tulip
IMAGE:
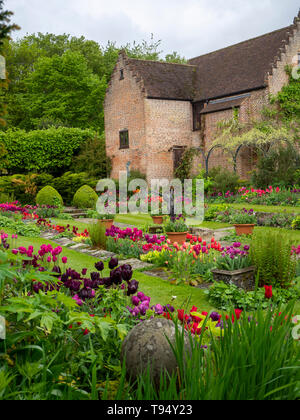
(268, 292)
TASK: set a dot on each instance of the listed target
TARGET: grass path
(161, 291)
(267, 209)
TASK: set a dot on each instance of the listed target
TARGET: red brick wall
(168, 124)
(124, 109)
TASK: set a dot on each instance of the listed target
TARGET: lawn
(141, 221)
(161, 291)
(267, 209)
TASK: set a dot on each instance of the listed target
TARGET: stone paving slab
(136, 264)
(78, 247)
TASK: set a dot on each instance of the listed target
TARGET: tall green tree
(63, 91)
(30, 58)
(6, 28)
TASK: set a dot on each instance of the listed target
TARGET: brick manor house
(154, 110)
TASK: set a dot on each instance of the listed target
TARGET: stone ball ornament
(147, 347)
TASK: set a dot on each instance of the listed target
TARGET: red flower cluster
(62, 229)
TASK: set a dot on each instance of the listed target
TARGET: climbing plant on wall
(183, 171)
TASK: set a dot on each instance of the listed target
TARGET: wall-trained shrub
(85, 198)
(49, 196)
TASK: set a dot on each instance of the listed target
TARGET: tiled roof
(165, 80)
(238, 68)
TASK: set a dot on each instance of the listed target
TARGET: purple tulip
(99, 266)
(135, 301)
(133, 286)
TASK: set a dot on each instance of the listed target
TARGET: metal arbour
(264, 150)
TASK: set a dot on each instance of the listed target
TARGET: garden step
(73, 210)
(78, 215)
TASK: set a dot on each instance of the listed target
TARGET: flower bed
(268, 196)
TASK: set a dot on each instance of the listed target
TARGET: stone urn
(158, 220)
(244, 229)
(107, 223)
(244, 278)
(177, 237)
(146, 347)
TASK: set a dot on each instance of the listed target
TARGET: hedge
(50, 150)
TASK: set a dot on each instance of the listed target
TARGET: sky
(189, 27)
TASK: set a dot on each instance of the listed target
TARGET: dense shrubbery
(85, 198)
(66, 185)
(223, 180)
(279, 167)
(69, 183)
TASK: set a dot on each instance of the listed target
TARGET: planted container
(243, 278)
(158, 220)
(244, 229)
(177, 237)
(107, 223)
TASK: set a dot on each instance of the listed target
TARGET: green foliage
(231, 264)
(212, 211)
(288, 99)
(66, 185)
(63, 90)
(5, 30)
(176, 226)
(69, 183)
(75, 72)
(243, 218)
(271, 255)
(296, 223)
(47, 354)
(48, 151)
(20, 228)
(124, 247)
(48, 196)
(183, 171)
(5, 198)
(223, 180)
(225, 296)
(97, 235)
(85, 198)
(277, 168)
(5, 26)
(92, 159)
(231, 368)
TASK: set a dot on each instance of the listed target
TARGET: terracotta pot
(245, 278)
(244, 229)
(179, 237)
(158, 220)
(107, 223)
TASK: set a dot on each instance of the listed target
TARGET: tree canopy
(59, 80)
